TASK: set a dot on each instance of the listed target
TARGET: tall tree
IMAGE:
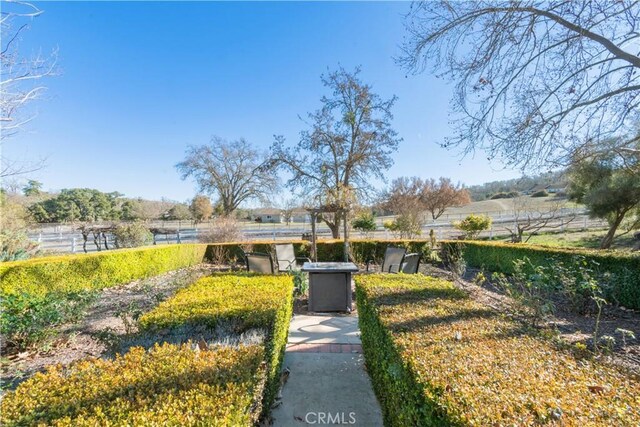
(33, 188)
(179, 212)
(20, 80)
(416, 196)
(235, 172)
(609, 189)
(404, 200)
(201, 208)
(78, 204)
(349, 144)
(437, 196)
(536, 81)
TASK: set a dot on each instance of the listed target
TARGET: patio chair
(286, 258)
(411, 263)
(392, 260)
(258, 262)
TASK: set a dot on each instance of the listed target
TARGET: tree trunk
(335, 229)
(333, 226)
(608, 238)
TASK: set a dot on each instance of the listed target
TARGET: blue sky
(140, 81)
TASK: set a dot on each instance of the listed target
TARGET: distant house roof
(267, 211)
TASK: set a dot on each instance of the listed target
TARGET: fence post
(73, 245)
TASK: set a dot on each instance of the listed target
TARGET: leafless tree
(404, 199)
(437, 196)
(530, 218)
(233, 171)
(536, 81)
(349, 144)
(20, 81)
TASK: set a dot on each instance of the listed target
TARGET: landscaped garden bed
(213, 375)
(623, 286)
(438, 357)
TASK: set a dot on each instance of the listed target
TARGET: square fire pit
(329, 285)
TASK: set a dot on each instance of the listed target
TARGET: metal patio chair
(286, 258)
(392, 260)
(259, 262)
(411, 263)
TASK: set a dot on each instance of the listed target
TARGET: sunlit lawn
(581, 239)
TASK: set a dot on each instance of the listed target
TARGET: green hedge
(97, 270)
(169, 385)
(174, 384)
(623, 287)
(436, 357)
(253, 301)
(328, 250)
(40, 294)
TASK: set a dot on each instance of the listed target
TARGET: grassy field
(579, 239)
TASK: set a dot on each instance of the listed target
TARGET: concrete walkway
(327, 384)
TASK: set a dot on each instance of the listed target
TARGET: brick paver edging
(325, 348)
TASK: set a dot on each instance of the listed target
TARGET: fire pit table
(329, 285)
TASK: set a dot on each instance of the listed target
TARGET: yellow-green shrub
(436, 357)
(168, 385)
(623, 287)
(97, 270)
(253, 301)
(38, 294)
(174, 385)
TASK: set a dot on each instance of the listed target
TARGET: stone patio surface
(327, 383)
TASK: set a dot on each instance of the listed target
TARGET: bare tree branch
(19, 81)
(535, 80)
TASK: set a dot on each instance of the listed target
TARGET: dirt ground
(568, 327)
(109, 318)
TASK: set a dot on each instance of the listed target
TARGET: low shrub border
(623, 287)
(174, 384)
(39, 294)
(97, 270)
(436, 357)
(328, 250)
(253, 301)
(167, 385)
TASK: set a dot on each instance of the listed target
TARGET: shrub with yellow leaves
(436, 357)
(168, 385)
(172, 384)
(39, 294)
(251, 300)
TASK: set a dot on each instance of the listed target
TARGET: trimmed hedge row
(95, 271)
(168, 385)
(623, 288)
(328, 250)
(436, 357)
(37, 295)
(253, 301)
(174, 384)
(110, 268)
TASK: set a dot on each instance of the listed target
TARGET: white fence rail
(66, 238)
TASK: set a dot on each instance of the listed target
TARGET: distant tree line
(90, 205)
